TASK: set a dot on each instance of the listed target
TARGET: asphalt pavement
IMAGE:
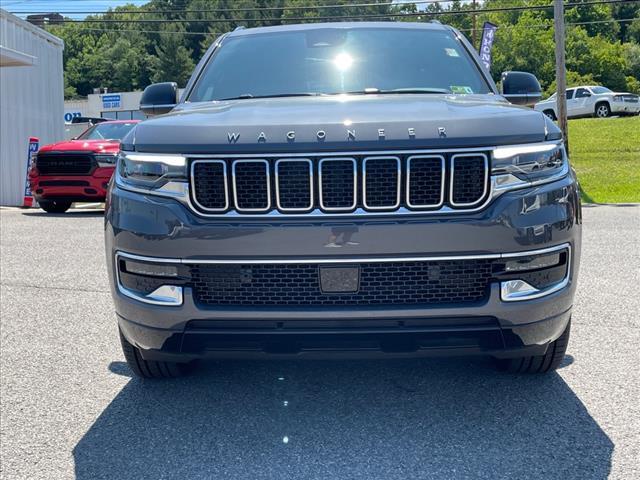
(70, 408)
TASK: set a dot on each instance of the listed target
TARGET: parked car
(349, 189)
(593, 101)
(77, 170)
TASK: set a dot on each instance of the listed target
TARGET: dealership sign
(68, 116)
(488, 35)
(110, 101)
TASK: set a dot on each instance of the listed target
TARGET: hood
(339, 123)
(94, 146)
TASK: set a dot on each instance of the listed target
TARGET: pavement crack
(42, 287)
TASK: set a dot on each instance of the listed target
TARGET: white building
(114, 106)
(31, 98)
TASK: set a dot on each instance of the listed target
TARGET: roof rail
(239, 27)
(435, 21)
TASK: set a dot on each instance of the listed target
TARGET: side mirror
(159, 98)
(521, 88)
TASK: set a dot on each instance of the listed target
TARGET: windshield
(107, 131)
(599, 90)
(339, 60)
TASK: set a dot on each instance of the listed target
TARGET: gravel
(70, 409)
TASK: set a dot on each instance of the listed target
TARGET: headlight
(618, 98)
(526, 165)
(106, 160)
(157, 174)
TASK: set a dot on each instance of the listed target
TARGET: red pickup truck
(77, 170)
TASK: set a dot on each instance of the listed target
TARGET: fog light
(516, 290)
(150, 269)
(166, 295)
(525, 277)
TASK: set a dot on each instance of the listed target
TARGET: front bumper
(518, 221)
(74, 188)
(629, 108)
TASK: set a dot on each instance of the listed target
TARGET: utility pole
(561, 72)
(473, 31)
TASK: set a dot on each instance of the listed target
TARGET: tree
(173, 60)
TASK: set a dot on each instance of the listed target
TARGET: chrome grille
(251, 185)
(299, 185)
(469, 173)
(381, 183)
(338, 184)
(425, 181)
(209, 179)
(294, 185)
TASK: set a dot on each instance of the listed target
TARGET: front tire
(603, 110)
(551, 114)
(54, 206)
(548, 362)
(149, 368)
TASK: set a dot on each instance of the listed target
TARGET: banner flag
(33, 150)
(488, 35)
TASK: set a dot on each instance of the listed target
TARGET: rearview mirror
(159, 98)
(521, 88)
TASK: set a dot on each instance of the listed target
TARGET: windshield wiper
(399, 91)
(276, 95)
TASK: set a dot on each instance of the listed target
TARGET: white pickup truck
(592, 102)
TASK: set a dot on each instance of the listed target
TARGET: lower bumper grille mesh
(298, 285)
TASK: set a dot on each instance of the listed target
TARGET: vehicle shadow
(434, 418)
(68, 213)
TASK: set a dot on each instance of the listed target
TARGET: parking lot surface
(69, 407)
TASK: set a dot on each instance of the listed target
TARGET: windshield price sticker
(460, 89)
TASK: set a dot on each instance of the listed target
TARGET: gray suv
(352, 189)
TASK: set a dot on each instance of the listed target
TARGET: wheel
(148, 368)
(551, 114)
(54, 206)
(538, 363)
(603, 110)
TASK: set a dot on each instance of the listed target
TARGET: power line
(334, 17)
(542, 25)
(571, 24)
(252, 9)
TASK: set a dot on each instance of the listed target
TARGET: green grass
(606, 156)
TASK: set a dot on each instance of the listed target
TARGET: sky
(48, 6)
(40, 6)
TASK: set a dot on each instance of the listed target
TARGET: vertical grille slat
(252, 192)
(395, 182)
(425, 181)
(294, 185)
(469, 173)
(381, 179)
(338, 187)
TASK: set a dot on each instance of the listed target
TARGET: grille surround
(452, 179)
(194, 165)
(321, 193)
(398, 182)
(358, 205)
(234, 180)
(442, 181)
(284, 161)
